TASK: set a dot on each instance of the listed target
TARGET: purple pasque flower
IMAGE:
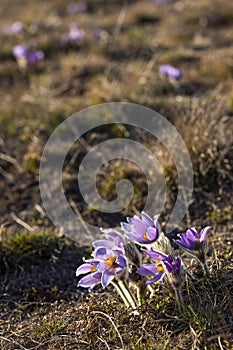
(76, 34)
(174, 272)
(170, 71)
(106, 263)
(24, 52)
(14, 28)
(165, 268)
(94, 277)
(113, 239)
(156, 269)
(20, 51)
(194, 243)
(76, 7)
(34, 57)
(142, 230)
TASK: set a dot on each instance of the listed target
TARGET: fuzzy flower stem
(126, 295)
(205, 268)
(179, 299)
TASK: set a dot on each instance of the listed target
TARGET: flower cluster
(118, 258)
(27, 55)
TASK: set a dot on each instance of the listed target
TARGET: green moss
(27, 249)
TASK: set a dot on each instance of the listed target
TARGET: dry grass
(40, 305)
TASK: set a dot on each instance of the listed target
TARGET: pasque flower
(76, 7)
(22, 52)
(142, 230)
(194, 243)
(113, 239)
(103, 267)
(75, 35)
(165, 267)
(170, 71)
(155, 269)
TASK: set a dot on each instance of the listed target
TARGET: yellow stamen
(146, 237)
(159, 265)
(93, 268)
(111, 262)
(197, 239)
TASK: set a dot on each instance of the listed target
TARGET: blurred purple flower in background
(142, 230)
(100, 34)
(170, 71)
(14, 28)
(76, 34)
(76, 7)
(22, 52)
(159, 2)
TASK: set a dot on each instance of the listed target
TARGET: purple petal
(155, 219)
(170, 71)
(177, 265)
(152, 233)
(121, 261)
(103, 243)
(113, 235)
(107, 277)
(133, 236)
(139, 225)
(155, 255)
(203, 233)
(90, 281)
(35, 57)
(147, 270)
(20, 51)
(85, 268)
(157, 278)
(99, 253)
(192, 233)
(147, 219)
(126, 227)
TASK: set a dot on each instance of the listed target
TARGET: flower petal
(155, 255)
(192, 233)
(147, 270)
(103, 243)
(152, 234)
(157, 278)
(203, 233)
(90, 280)
(85, 268)
(139, 225)
(121, 261)
(147, 219)
(107, 277)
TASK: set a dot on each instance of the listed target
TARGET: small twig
(23, 223)
(220, 344)
(120, 20)
(115, 327)
(104, 341)
(11, 160)
(14, 342)
(7, 175)
(40, 210)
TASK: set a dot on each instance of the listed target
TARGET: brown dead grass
(40, 305)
